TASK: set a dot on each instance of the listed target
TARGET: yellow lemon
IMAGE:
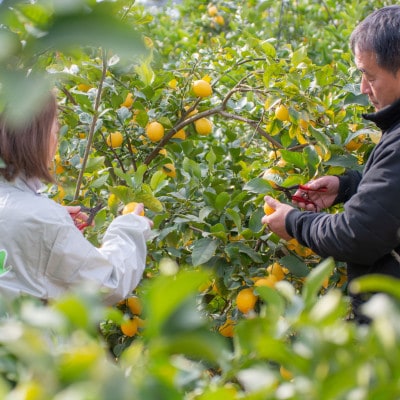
(219, 19)
(169, 170)
(246, 300)
(227, 329)
(276, 270)
(268, 210)
(282, 113)
(180, 135)
(203, 126)
(128, 101)
(130, 327)
(134, 304)
(201, 88)
(130, 207)
(269, 281)
(155, 131)
(212, 11)
(114, 139)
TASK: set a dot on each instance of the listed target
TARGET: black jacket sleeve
(348, 183)
(369, 226)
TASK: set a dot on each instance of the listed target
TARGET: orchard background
(225, 308)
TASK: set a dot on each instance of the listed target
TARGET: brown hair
(25, 147)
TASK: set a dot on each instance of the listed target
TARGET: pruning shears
(91, 212)
(303, 198)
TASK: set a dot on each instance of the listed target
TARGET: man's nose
(365, 86)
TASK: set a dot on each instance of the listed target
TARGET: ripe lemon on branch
(201, 88)
(155, 131)
(268, 209)
(282, 113)
(203, 126)
(114, 139)
(169, 170)
(130, 207)
(246, 300)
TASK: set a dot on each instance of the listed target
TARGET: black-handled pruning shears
(91, 212)
(299, 199)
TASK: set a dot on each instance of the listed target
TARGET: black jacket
(368, 230)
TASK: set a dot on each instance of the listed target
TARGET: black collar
(386, 117)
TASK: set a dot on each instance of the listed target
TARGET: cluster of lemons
(130, 327)
(155, 130)
(247, 298)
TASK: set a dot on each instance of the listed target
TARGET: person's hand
(276, 221)
(139, 210)
(318, 199)
(80, 218)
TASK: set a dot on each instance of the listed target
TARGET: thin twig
(93, 125)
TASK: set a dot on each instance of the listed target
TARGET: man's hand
(276, 220)
(322, 199)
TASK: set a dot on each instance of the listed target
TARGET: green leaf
(268, 49)
(191, 167)
(124, 193)
(203, 250)
(376, 283)
(299, 56)
(257, 185)
(94, 164)
(294, 265)
(99, 28)
(232, 248)
(315, 280)
(235, 217)
(221, 201)
(164, 295)
(157, 179)
(294, 158)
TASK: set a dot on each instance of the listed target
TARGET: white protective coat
(45, 255)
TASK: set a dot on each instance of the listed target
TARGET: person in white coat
(42, 252)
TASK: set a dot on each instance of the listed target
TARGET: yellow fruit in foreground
(212, 11)
(180, 135)
(353, 145)
(128, 101)
(169, 170)
(246, 300)
(155, 131)
(219, 19)
(272, 176)
(130, 207)
(114, 139)
(130, 327)
(303, 124)
(134, 304)
(269, 281)
(201, 88)
(282, 113)
(173, 83)
(285, 373)
(83, 87)
(60, 194)
(298, 248)
(227, 329)
(276, 270)
(268, 210)
(193, 112)
(203, 126)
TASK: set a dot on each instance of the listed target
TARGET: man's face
(381, 86)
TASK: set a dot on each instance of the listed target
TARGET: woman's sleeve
(116, 267)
